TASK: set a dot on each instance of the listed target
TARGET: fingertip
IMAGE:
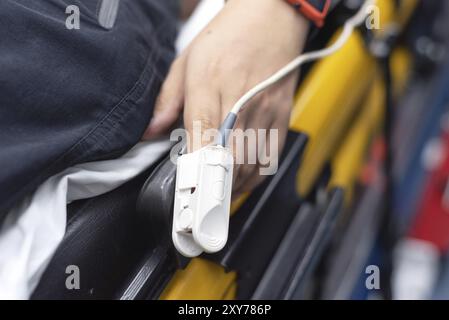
(153, 129)
(159, 125)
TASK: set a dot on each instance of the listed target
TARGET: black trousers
(69, 96)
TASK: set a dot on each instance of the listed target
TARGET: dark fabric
(106, 240)
(72, 96)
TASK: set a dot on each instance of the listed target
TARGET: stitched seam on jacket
(148, 66)
(137, 87)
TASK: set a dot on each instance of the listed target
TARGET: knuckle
(214, 68)
(266, 106)
(205, 122)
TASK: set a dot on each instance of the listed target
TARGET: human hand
(246, 43)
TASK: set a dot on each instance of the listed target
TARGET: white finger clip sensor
(202, 201)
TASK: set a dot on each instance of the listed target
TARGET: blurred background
(358, 210)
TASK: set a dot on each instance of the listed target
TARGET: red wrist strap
(310, 12)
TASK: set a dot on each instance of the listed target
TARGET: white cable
(348, 28)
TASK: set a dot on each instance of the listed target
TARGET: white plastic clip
(202, 201)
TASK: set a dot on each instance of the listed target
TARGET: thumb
(169, 102)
